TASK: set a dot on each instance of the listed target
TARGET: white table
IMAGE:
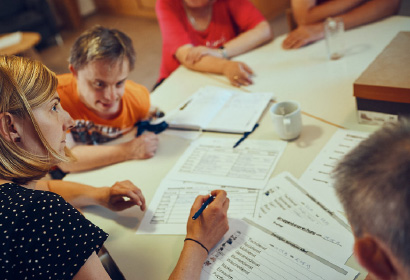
(323, 87)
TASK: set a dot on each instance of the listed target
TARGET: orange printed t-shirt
(90, 128)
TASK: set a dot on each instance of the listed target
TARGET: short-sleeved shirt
(90, 128)
(229, 19)
(42, 236)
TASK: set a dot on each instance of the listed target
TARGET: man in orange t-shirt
(103, 103)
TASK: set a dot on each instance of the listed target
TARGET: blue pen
(246, 134)
(206, 203)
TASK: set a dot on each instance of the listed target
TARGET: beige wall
(86, 7)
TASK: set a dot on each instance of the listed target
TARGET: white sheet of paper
(285, 193)
(169, 210)
(250, 251)
(185, 134)
(317, 179)
(198, 110)
(329, 243)
(214, 161)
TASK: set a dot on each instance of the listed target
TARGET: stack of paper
(317, 177)
(292, 238)
(251, 251)
(280, 228)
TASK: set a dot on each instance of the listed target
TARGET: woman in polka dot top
(42, 236)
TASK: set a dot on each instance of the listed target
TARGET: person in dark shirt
(42, 235)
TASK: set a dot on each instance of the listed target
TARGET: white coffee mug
(287, 119)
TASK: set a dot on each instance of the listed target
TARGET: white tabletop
(324, 88)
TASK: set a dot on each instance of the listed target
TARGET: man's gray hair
(373, 184)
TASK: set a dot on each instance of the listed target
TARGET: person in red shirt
(203, 34)
(310, 15)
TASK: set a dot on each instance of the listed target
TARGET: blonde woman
(41, 235)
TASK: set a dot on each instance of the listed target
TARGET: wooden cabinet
(69, 13)
(140, 8)
(271, 8)
(146, 8)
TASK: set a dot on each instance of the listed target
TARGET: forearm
(370, 11)
(90, 157)
(208, 63)
(354, 12)
(249, 40)
(78, 195)
(307, 12)
(190, 262)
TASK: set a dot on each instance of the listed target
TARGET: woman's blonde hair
(24, 85)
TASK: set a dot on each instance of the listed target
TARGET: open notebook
(221, 110)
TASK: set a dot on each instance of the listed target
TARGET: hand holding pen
(211, 223)
(203, 207)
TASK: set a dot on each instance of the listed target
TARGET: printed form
(289, 210)
(317, 177)
(251, 251)
(169, 210)
(330, 243)
(286, 193)
(214, 161)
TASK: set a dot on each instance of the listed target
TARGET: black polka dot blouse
(42, 236)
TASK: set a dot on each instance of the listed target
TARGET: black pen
(245, 135)
(186, 104)
(206, 203)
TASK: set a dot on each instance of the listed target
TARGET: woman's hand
(123, 195)
(303, 35)
(212, 224)
(238, 73)
(207, 229)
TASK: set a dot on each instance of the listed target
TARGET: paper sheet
(285, 193)
(327, 242)
(317, 177)
(169, 210)
(214, 161)
(250, 251)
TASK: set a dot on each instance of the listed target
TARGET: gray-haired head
(373, 184)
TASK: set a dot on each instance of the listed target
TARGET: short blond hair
(101, 43)
(24, 85)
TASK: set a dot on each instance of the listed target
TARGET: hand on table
(142, 147)
(115, 197)
(238, 73)
(303, 35)
(212, 224)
